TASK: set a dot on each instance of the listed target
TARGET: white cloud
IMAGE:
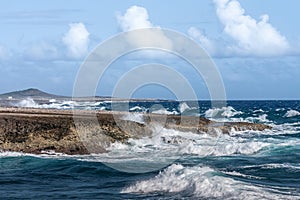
(77, 40)
(253, 37)
(5, 54)
(41, 51)
(137, 17)
(205, 42)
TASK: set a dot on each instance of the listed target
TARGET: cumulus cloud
(77, 40)
(137, 17)
(252, 37)
(204, 41)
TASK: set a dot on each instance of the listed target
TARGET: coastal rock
(39, 130)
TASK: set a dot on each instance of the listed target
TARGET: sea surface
(241, 165)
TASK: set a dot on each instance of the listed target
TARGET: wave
(292, 113)
(137, 109)
(274, 166)
(183, 107)
(201, 182)
(27, 103)
(224, 146)
(164, 111)
(260, 119)
(259, 111)
(227, 112)
(53, 104)
(237, 174)
(135, 117)
(44, 154)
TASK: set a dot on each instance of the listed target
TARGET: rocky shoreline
(38, 130)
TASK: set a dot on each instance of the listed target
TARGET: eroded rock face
(38, 130)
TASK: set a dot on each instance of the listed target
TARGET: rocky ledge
(39, 130)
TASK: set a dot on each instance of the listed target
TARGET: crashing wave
(27, 103)
(135, 117)
(164, 111)
(183, 107)
(292, 113)
(227, 112)
(201, 182)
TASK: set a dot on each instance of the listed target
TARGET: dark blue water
(244, 165)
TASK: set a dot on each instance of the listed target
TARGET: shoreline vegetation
(31, 130)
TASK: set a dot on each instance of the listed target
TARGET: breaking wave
(222, 112)
(292, 113)
(201, 182)
(27, 103)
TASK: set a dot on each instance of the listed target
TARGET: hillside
(33, 93)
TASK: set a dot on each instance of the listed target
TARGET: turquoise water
(244, 165)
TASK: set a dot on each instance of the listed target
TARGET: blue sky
(254, 43)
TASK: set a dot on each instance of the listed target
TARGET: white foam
(172, 143)
(135, 117)
(183, 107)
(11, 154)
(222, 112)
(164, 111)
(52, 100)
(137, 109)
(44, 154)
(234, 173)
(224, 145)
(258, 111)
(292, 113)
(261, 119)
(27, 103)
(201, 182)
(273, 166)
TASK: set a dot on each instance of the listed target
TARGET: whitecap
(135, 117)
(164, 111)
(292, 113)
(136, 109)
(261, 119)
(227, 112)
(52, 100)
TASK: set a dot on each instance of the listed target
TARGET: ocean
(242, 165)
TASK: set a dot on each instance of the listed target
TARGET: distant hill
(32, 92)
(41, 96)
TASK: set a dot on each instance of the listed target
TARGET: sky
(255, 44)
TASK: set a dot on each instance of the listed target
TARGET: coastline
(31, 130)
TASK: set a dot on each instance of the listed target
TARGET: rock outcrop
(38, 130)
